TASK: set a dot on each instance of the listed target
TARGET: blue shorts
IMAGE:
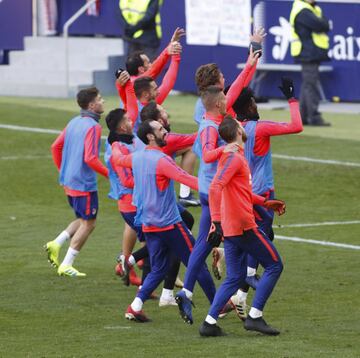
(130, 219)
(85, 207)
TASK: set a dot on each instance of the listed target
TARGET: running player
(208, 147)
(157, 212)
(76, 155)
(258, 155)
(122, 183)
(231, 207)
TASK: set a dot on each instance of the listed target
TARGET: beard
(161, 142)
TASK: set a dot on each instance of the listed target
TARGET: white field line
(314, 160)
(26, 157)
(317, 242)
(325, 223)
(279, 156)
(29, 129)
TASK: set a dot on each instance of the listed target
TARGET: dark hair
(145, 129)
(133, 62)
(85, 96)
(142, 84)
(228, 129)
(113, 118)
(150, 111)
(242, 101)
(209, 95)
(207, 75)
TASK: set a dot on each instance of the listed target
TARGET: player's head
(209, 75)
(119, 122)
(153, 133)
(155, 112)
(137, 63)
(146, 89)
(245, 105)
(231, 131)
(214, 99)
(90, 99)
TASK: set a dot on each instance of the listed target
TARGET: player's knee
(90, 224)
(278, 267)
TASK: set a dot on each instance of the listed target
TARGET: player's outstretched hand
(253, 56)
(258, 35)
(215, 234)
(174, 48)
(123, 78)
(278, 206)
(178, 33)
(287, 87)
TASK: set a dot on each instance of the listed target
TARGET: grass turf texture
(315, 305)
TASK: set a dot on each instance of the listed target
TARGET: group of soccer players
(235, 185)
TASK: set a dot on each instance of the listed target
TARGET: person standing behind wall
(309, 47)
(142, 30)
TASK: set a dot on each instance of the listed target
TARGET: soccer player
(165, 233)
(208, 147)
(122, 184)
(231, 206)
(76, 155)
(258, 155)
(176, 145)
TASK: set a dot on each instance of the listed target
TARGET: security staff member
(309, 47)
(142, 29)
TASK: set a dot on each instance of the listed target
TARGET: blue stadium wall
(344, 40)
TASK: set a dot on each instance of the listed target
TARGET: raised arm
(56, 149)
(169, 79)
(131, 102)
(158, 65)
(269, 128)
(91, 151)
(168, 168)
(242, 80)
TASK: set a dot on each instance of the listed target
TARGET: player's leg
(200, 252)
(182, 245)
(258, 245)
(86, 208)
(167, 295)
(188, 162)
(171, 278)
(159, 257)
(53, 247)
(235, 272)
(126, 259)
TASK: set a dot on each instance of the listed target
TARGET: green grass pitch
(316, 304)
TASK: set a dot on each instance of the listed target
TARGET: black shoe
(210, 330)
(259, 325)
(321, 124)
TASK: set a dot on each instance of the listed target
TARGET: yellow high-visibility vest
(134, 10)
(320, 40)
